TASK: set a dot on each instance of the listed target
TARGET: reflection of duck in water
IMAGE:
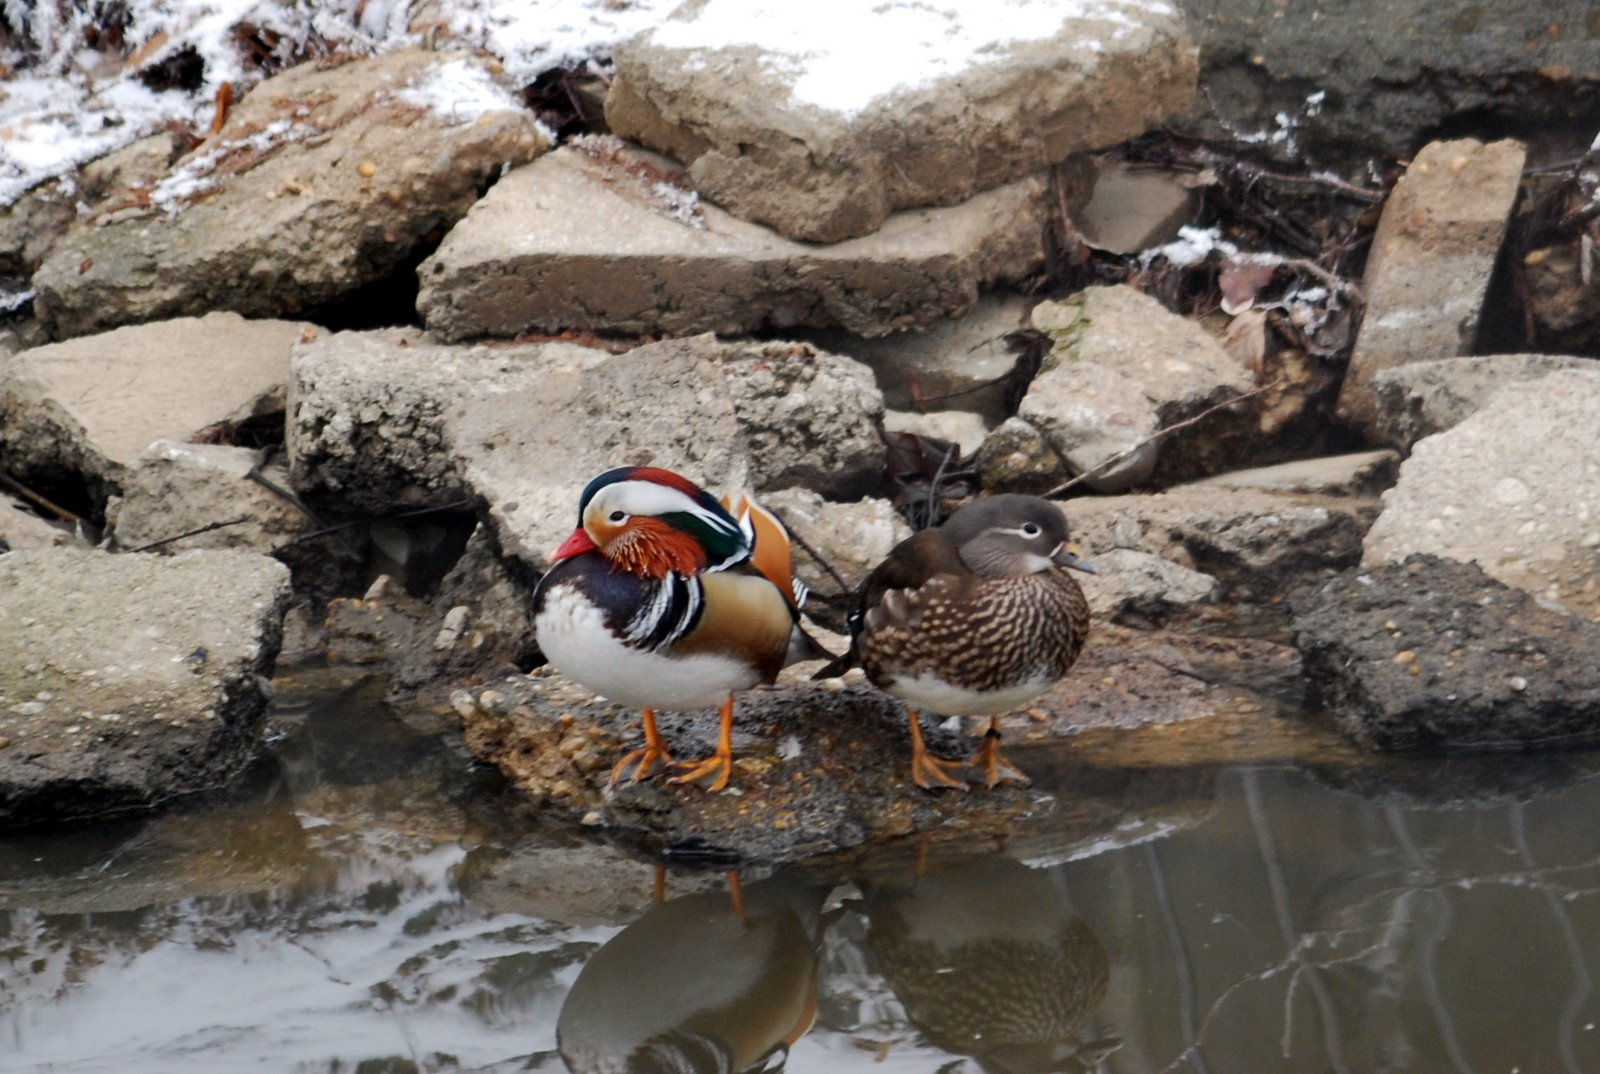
(990, 961)
(703, 982)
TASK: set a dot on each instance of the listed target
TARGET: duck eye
(617, 516)
(1029, 529)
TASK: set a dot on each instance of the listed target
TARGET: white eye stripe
(649, 498)
(1028, 530)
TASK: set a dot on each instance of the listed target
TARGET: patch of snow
(530, 38)
(1192, 246)
(197, 175)
(460, 91)
(833, 51)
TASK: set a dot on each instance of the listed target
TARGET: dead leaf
(1240, 281)
(1246, 340)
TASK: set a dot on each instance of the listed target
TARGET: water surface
(370, 901)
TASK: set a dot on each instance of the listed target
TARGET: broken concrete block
(1431, 258)
(366, 410)
(1514, 488)
(181, 496)
(127, 680)
(1123, 366)
(1419, 399)
(325, 178)
(84, 410)
(603, 239)
(785, 121)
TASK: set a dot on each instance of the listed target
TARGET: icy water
(369, 902)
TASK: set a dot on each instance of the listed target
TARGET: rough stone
(1132, 209)
(366, 410)
(1140, 589)
(1361, 473)
(86, 409)
(1016, 457)
(601, 238)
(1338, 86)
(775, 142)
(851, 538)
(1253, 542)
(758, 416)
(1514, 488)
(177, 489)
(1432, 652)
(1121, 367)
(324, 179)
(1431, 258)
(962, 428)
(1419, 399)
(825, 764)
(21, 528)
(127, 680)
(960, 364)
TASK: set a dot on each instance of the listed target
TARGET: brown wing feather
(746, 617)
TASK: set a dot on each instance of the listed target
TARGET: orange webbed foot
(719, 766)
(993, 768)
(927, 771)
(644, 759)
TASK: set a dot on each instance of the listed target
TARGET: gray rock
(775, 134)
(1254, 542)
(177, 489)
(86, 409)
(128, 680)
(852, 538)
(1341, 85)
(366, 410)
(1132, 209)
(955, 364)
(1419, 399)
(1433, 652)
(962, 428)
(761, 416)
(21, 528)
(1514, 488)
(601, 238)
(1361, 473)
(1137, 588)
(1432, 254)
(324, 178)
(1121, 367)
(1016, 457)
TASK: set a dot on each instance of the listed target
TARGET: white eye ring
(617, 516)
(1030, 529)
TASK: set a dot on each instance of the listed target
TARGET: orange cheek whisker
(652, 548)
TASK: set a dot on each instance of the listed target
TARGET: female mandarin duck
(661, 599)
(974, 617)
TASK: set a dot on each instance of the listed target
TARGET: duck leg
(646, 758)
(719, 766)
(927, 771)
(996, 769)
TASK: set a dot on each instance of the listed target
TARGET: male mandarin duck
(974, 617)
(662, 598)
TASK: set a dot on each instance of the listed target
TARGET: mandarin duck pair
(663, 597)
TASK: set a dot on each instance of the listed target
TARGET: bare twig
(207, 528)
(817, 557)
(1127, 453)
(39, 501)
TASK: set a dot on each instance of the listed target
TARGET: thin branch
(207, 528)
(39, 501)
(1107, 463)
(817, 557)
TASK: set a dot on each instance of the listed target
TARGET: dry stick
(39, 501)
(844, 587)
(207, 528)
(1158, 434)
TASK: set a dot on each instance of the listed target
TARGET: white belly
(932, 694)
(572, 634)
